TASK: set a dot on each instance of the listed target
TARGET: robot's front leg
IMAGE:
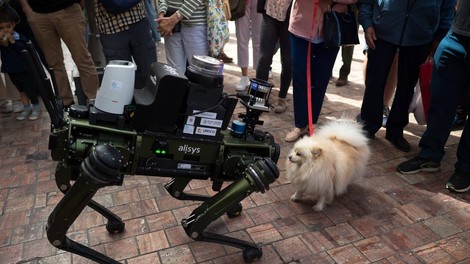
(100, 169)
(256, 178)
(63, 179)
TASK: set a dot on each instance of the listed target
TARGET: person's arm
(26, 7)
(447, 14)
(366, 8)
(166, 24)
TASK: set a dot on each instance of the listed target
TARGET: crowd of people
(400, 36)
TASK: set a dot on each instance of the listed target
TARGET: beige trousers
(69, 26)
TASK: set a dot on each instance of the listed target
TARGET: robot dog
(177, 126)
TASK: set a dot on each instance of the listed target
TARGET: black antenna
(44, 86)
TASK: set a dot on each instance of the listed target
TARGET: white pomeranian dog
(325, 164)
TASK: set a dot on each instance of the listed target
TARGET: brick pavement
(384, 218)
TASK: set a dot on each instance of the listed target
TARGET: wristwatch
(179, 15)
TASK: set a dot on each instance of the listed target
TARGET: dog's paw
(318, 207)
(294, 198)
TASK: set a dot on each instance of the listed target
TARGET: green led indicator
(163, 151)
(157, 151)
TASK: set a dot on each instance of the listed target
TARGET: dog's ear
(316, 152)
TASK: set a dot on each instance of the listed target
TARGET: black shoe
(418, 164)
(399, 142)
(459, 122)
(459, 182)
(222, 56)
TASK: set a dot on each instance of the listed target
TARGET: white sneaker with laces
(244, 82)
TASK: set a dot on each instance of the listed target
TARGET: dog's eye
(299, 154)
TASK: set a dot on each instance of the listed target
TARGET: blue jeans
(378, 66)
(134, 43)
(450, 77)
(321, 65)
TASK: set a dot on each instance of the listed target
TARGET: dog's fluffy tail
(346, 128)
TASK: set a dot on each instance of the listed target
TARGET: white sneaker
(244, 82)
(24, 114)
(270, 74)
(17, 106)
(35, 113)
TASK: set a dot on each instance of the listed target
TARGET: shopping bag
(425, 74)
(417, 107)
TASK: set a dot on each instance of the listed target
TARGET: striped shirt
(110, 24)
(193, 11)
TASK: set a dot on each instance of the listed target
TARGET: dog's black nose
(290, 158)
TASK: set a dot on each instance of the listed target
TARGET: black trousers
(378, 66)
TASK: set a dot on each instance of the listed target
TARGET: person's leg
(377, 69)
(143, 51)
(286, 62)
(323, 61)
(299, 64)
(299, 80)
(174, 49)
(194, 41)
(409, 60)
(18, 80)
(346, 56)
(449, 78)
(50, 43)
(70, 24)
(242, 32)
(391, 84)
(268, 39)
(256, 19)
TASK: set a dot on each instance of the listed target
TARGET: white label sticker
(184, 166)
(188, 129)
(116, 85)
(211, 115)
(190, 120)
(206, 131)
(211, 122)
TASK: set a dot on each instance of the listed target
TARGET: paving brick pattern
(384, 218)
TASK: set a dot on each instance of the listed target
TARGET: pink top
(302, 14)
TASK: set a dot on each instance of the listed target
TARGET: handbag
(118, 6)
(237, 9)
(226, 6)
(340, 28)
(217, 27)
